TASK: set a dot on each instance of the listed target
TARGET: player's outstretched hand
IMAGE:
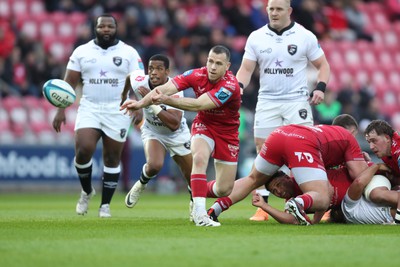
(257, 200)
(129, 106)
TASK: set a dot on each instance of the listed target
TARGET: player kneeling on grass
(164, 128)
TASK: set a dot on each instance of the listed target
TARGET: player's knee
(224, 191)
(377, 197)
(153, 168)
(321, 202)
(200, 160)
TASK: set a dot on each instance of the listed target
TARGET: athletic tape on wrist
(156, 109)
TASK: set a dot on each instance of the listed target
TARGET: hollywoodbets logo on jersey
(278, 63)
(111, 81)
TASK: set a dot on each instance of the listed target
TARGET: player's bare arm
(170, 117)
(73, 78)
(204, 102)
(168, 88)
(318, 94)
(244, 73)
(279, 216)
(356, 188)
(127, 88)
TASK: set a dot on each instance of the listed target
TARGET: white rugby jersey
(103, 71)
(363, 211)
(152, 121)
(283, 59)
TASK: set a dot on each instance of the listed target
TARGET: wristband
(321, 86)
(156, 109)
(241, 85)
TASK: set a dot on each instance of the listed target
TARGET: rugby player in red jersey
(214, 130)
(384, 141)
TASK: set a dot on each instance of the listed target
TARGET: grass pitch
(43, 230)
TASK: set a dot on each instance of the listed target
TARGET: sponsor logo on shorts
(187, 145)
(234, 150)
(117, 61)
(303, 113)
(122, 133)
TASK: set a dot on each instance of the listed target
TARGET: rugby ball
(59, 93)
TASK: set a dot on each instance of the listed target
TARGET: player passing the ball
(282, 49)
(164, 128)
(214, 129)
(102, 64)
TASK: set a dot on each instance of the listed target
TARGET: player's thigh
(267, 118)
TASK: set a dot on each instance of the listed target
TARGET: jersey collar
(283, 30)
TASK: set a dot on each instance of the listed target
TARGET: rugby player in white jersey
(164, 128)
(282, 49)
(102, 65)
(357, 206)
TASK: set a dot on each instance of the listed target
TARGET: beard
(105, 42)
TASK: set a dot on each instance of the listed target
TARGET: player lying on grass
(285, 186)
(357, 206)
(358, 209)
(308, 152)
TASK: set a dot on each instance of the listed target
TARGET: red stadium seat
(37, 7)
(5, 9)
(4, 120)
(19, 7)
(31, 102)
(29, 27)
(11, 102)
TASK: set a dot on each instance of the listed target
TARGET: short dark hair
(337, 215)
(346, 121)
(273, 177)
(162, 58)
(106, 15)
(380, 127)
(220, 49)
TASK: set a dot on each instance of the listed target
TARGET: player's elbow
(174, 126)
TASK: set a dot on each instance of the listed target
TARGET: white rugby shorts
(271, 114)
(103, 116)
(175, 143)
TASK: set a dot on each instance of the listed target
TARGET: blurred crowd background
(360, 39)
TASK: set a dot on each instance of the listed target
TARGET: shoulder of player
(263, 31)
(302, 30)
